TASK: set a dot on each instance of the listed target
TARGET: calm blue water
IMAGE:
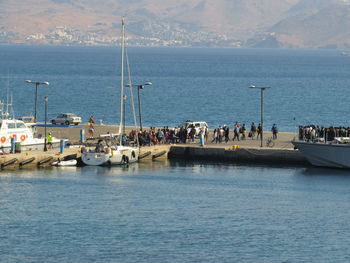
(175, 212)
(311, 86)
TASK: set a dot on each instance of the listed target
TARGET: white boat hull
(121, 155)
(12, 128)
(38, 144)
(65, 163)
(94, 158)
(325, 155)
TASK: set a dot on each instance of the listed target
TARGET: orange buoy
(3, 139)
(23, 137)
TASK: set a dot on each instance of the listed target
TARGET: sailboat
(109, 151)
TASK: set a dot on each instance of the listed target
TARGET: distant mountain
(219, 23)
(327, 27)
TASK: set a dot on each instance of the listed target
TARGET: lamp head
(145, 84)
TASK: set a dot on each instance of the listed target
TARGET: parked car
(67, 119)
(27, 119)
(198, 125)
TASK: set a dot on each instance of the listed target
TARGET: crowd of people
(182, 134)
(240, 132)
(313, 132)
(168, 135)
(188, 134)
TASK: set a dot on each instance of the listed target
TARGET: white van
(198, 125)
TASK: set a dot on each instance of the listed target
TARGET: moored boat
(114, 150)
(17, 129)
(330, 154)
(116, 155)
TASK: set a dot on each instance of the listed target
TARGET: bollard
(18, 147)
(62, 145)
(13, 144)
(82, 135)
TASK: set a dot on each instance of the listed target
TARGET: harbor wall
(240, 155)
(176, 152)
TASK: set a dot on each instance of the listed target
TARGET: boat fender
(3, 139)
(125, 159)
(45, 160)
(133, 155)
(158, 155)
(26, 161)
(9, 162)
(144, 155)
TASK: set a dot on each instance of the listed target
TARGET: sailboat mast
(7, 99)
(122, 80)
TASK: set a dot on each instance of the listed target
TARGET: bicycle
(269, 142)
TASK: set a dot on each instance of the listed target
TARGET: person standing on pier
(91, 129)
(236, 131)
(252, 130)
(215, 136)
(274, 131)
(259, 131)
(206, 135)
(243, 131)
(91, 126)
(49, 141)
(91, 119)
(226, 133)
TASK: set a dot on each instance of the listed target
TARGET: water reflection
(319, 171)
(123, 170)
(26, 172)
(167, 166)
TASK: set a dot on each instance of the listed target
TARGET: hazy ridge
(221, 23)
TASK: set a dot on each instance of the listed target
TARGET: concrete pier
(243, 151)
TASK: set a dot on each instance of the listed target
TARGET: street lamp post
(37, 83)
(46, 99)
(139, 87)
(261, 111)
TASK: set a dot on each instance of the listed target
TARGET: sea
(199, 84)
(177, 211)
